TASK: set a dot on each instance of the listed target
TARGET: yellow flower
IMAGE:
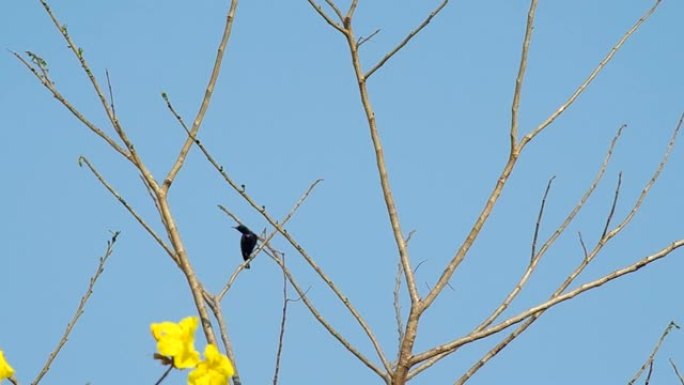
(216, 369)
(6, 370)
(177, 340)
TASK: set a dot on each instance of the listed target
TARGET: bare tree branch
(281, 334)
(111, 94)
(208, 92)
(50, 85)
(164, 375)
(510, 164)
(530, 269)
(588, 257)
(406, 39)
(679, 376)
(335, 9)
(651, 357)
(612, 207)
(362, 40)
(382, 169)
(78, 53)
(527, 138)
(539, 219)
(325, 16)
(651, 182)
(80, 309)
(521, 74)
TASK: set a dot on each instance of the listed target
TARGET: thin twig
(650, 372)
(335, 9)
(408, 38)
(584, 246)
(649, 361)
(78, 53)
(80, 309)
(49, 84)
(612, 206)
(521, 74)
(281, 334)
(531, 267)
(539, 219)
(163, 376)
(651, 182)
(111, 94)
(363, 40)
(587, 194)
(582, 87)
(679, 376)
(325, 16)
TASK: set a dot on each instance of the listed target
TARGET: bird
(247, 242)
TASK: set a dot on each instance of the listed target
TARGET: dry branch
(651, 357)
(408, 38)
(679, 376)
(80, 309)
(521, 74)
(281, 333)
(588, 256)
(591, 77)
(208, 92)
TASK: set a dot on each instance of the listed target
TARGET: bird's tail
(247, 266)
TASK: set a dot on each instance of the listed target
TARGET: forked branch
(649, 361)
(599, 68)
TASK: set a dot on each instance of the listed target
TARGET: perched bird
(247, 242)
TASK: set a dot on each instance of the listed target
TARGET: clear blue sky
(286, 112)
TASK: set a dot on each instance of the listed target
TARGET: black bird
(247, 242)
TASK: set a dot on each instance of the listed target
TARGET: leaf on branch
(37, 60)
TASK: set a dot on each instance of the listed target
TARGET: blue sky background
(286, 112)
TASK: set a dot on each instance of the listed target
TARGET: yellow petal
(6, 370)
(177, 340)
(216, 369)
